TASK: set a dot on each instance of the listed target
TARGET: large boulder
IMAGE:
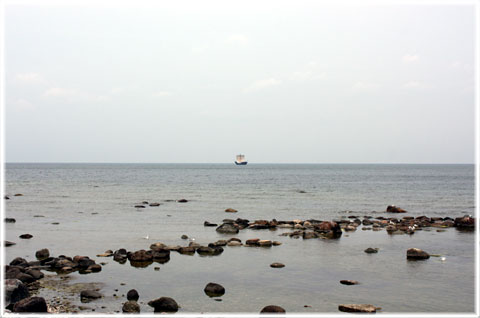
(18, 261)
(272, 309)
(164, 304)
(31, 304)
(395, 209)
(417, 254)
(465, 223)
(42, 254)
(131, 307)
(227, 228)
(15, 291)
(357, 308)
(132, 295)
(214, 290)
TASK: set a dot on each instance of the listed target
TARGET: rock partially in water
(26, 236)
(132, 295)
(395, 209)
(277, 265)
(348, 282)
(227, 228)
(31, 304)
(18, 261)
(234, 243)
(182, 201)
(6, 197)
(87, 295)
(8, 243)
(15, 290)
(42, 254)
(141, 256)
(154, 204)
(417, 254)
(206, 223)
(10, 220)
(230, 210)
(214, 290)
(35, 273)
(272, 309)
(18, 195)
(465, 223)
(371, 250)
(357, 308)
(265, 243)
(184, 237)
(164, 304)
(139, 206)
(95, 268)
(131, 307)
(190, 250)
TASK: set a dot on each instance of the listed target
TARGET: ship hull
(243, 163)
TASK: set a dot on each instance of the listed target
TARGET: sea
(86, 209)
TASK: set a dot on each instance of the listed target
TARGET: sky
(278, 81)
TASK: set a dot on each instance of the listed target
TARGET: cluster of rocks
(153, 204)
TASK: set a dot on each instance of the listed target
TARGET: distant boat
(241, 160)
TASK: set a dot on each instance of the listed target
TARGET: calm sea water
(94, 206)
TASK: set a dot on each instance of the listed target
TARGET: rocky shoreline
(24, 278)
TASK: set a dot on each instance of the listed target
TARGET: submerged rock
(214, 290)
(357, 308)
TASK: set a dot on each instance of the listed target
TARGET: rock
(184, 237)
(231, 210)
(277, 265)
(15, 290)
(42, 254)
(83, 262)
(31, 304)
(182, 201)
(272, 308)
(144, 202)
(161, 255)
(357, 308)
(220, 243)
(227, 228)
(371, 250)
(309, 235)
(18, 261)
(252, 242)
(141, 256)
(164, 304)
(10, 220)
(394, 209)
(8, 243)
(95, 268)
(18, 195)
(465, 223)
(25, 278)
(276, 243)
(265, 243)
(90, 294)
(329, 230)
(234, 243)
(206, 223)
(26, 236)
(348, 282)
(131, 307)
(35, 273)
(6, 197)
(417, 254)
(154, 204)
(139, 206)
(132, 295)
(214, 290)
(157, 246)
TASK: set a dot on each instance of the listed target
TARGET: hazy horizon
(281, 82)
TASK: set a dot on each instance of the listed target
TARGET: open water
(94, 206)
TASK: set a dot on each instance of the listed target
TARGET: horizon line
(254, 163)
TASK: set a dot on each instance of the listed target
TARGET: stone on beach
(230, 210)
(26, 236)
(164, 304)
(42, 254)
(131, 307)
(15, 290)
(272, 309)
(348, 282)
(90, 294)
(417, 254)
(31, 304)
(277, 265)
(214, 290)
(357, 308)
(371, 250)
(206, 223)
(132, 295)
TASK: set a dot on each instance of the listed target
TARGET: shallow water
(93, 204)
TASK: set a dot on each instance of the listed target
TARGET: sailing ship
(241, 160)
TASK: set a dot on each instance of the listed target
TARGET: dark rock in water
(417, 254)
(328, 229)
(120, 255)
(184, 237)
(12, 272)
(26, 236)
(230, 210)
(164, 304)
(465, 223)
(272, 308)
(31, 304)
(252, 242)
(395, 209)
(6, 198)
(145, 202)
(277, 265)
(161, 255)
(132, 295)
(182, 201)
(141, 256)
(39, 216)
(227, 229)
(371, 250)
(206, 223)
(8, 243)
(154, 204)
(187, 250)
(42, 254)
(139, 206)
(228, 221)
(131, 307)
(205, 250)
(357, 308)
(15, 291)
(95, 268)
(214, 290)
(309, 235)
(18, 261)
(84, 262)
(35, 273)
(348, 282)
(25, 278)
(89, 294)
(10, 220)
(18, 195)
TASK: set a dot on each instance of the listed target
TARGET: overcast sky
(203, 81)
